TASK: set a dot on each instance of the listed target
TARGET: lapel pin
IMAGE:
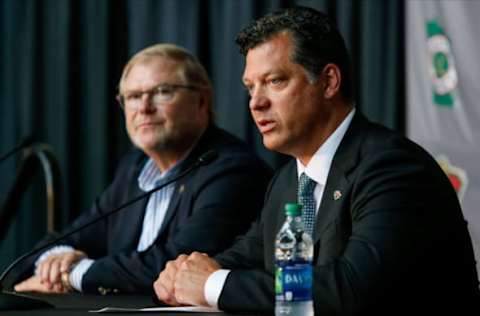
(337, 195)
(182, 188)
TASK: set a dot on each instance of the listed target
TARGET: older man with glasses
(166, 97)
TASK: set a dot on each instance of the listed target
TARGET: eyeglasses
(158, 95)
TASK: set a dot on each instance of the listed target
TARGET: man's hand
(164, 285)
(191, 277)
(50, 269)
(35, 284)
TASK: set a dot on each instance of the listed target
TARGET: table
(78, 304)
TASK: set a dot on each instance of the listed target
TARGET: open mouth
(265, 126)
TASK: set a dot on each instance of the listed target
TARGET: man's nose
(146, 104)
(258, 100)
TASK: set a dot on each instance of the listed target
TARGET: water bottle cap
(293, 209)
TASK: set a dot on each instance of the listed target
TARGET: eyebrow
(277, 72)
(268, 73)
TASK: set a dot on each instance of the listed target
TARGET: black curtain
(61, 61)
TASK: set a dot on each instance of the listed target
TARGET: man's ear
(331, 78)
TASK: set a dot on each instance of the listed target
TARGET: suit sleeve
(92, 239)
(249, 290)
(87, 240)
(223, 200)
(248, 287)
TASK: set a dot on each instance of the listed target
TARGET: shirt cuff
(53, 251)
(214, 286)
(76, 274)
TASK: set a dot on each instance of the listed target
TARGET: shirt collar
(319, 166)
(150, 175)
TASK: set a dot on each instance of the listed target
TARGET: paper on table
(190, 309)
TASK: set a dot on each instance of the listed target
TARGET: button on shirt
(157, 205)
(317, 169)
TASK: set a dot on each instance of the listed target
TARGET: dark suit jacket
(209, 208)
(394, 243)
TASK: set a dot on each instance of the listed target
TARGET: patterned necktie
(306, 186)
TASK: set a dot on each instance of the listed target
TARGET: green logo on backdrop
(442, 67)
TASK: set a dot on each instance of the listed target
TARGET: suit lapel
(287, 196)
(284, 191)
(330, 206)
(133, 216)
(135, 221)
(338, 184)
(178, 192)
(181, 186)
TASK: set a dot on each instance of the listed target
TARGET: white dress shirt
(317, 169)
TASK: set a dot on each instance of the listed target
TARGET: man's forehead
(149, 72)
(157, 61)
(282, 39)
(267, 57)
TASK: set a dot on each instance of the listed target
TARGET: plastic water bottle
(293, 259)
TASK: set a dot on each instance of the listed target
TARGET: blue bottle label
(293, 282)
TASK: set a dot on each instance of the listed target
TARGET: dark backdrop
(61, 60)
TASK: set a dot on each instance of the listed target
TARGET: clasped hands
(48, 277)
(183, 280)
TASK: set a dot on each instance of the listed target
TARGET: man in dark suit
(389, 236)
(166, 96)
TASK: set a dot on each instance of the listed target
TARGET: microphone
(15, 300)
(27, 141)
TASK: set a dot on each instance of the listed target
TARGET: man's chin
(148, 144)
(276, 144)
(272, 143)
